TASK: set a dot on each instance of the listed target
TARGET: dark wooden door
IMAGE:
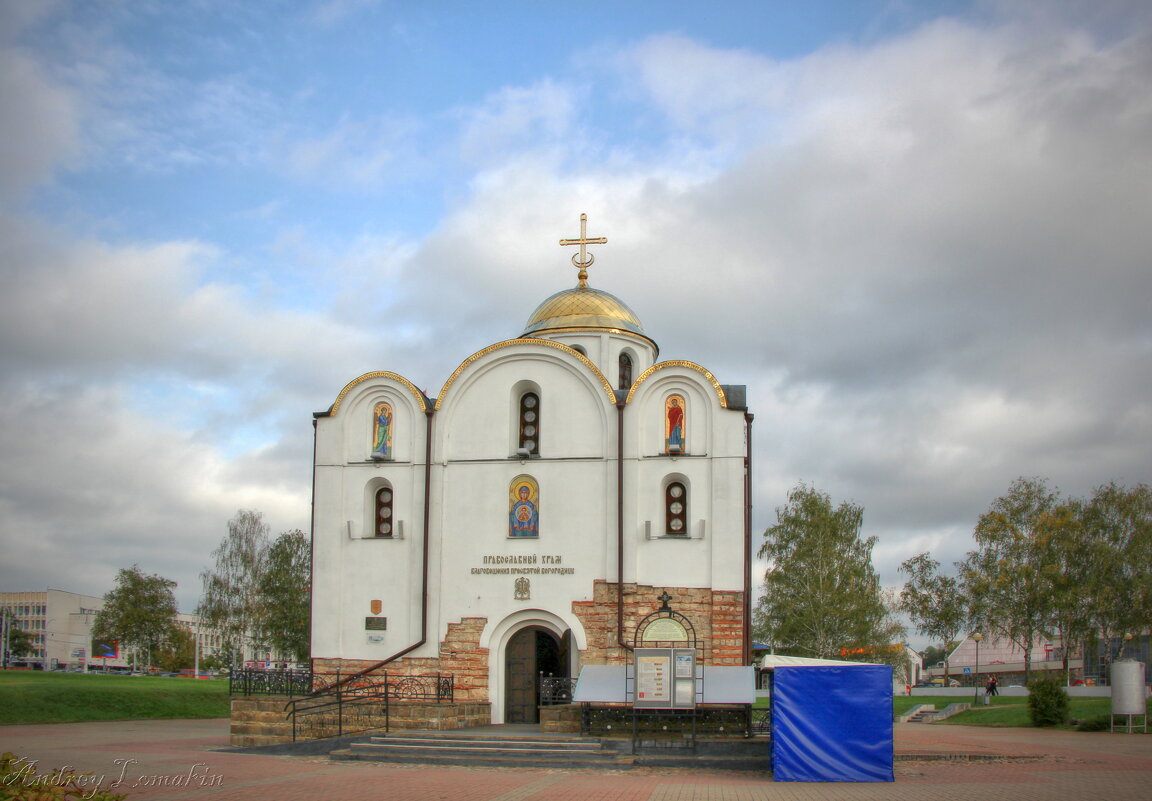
(520, 678)
(530, 652)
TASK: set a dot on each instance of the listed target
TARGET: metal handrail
(435, 688)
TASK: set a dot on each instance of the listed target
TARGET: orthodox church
(564, 485)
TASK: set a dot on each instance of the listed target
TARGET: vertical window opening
(530, 423)
(676, 510)
(385, 525)
(625, 371)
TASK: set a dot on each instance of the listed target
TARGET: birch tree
(1005, 577)
(822, 597)
(933, 601)
(284, 594)
(232, 603)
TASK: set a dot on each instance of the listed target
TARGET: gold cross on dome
(583, 260)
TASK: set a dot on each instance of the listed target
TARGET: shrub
(19, 781)
(1047, 702)
(1098, 723)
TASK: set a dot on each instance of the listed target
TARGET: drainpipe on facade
(748, 418)
(620, 525)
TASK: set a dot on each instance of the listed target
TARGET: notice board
(665, 678)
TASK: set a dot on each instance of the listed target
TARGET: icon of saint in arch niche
(523, 507)
(382, 418)
(674, 424)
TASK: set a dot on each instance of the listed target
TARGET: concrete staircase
(928, 713)
(451, 748)
(524, 748)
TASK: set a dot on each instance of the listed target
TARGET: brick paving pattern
(187, 760)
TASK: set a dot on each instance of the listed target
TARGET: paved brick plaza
(193, 756)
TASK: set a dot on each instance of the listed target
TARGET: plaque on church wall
(665, 630)
(376, 623)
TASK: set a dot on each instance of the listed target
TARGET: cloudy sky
(920, 233)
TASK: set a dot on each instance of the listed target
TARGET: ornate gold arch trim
(547, 343)
(417, 394)
(686, 365)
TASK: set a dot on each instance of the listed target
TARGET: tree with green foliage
(1067, 567)
(1117, 555)
(1007, 578)
(284, 590)
(20, 642)
(231, 603)
(180, 653)
(822, 597)
(934, 601)
(934, 654)
(139, 612)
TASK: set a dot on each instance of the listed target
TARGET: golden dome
(583, 307)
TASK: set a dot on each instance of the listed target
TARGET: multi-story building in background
(60, 624)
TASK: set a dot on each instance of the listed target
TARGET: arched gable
(547, 343)
(680, 363)
(378, 375)
(699, 398)
(481, 416)
(354, 415)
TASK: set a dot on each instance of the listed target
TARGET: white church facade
(524, 520)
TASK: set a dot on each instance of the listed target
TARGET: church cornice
(598, 330)
(720, 396)
(547, 343)
(355, 382)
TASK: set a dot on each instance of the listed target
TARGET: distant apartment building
(60, 624)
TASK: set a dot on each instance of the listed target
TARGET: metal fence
(261, 681)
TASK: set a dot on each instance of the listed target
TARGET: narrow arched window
(676, 510)
(530, 423)
(385, 524)
(625, 371)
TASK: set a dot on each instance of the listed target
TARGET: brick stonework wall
(460, 656)
(718, 618)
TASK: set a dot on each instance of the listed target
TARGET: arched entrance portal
(531, 651)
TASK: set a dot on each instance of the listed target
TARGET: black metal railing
(260, 681)
(556, 690)
(337, 708)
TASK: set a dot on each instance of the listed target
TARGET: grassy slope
(38, 697)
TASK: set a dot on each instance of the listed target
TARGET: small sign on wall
(376, 624)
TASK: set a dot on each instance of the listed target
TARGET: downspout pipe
(429, 412)
(620, 523)
(748, 418)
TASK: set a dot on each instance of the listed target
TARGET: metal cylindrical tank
(1128, 688)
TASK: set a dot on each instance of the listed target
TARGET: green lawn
(40, 697)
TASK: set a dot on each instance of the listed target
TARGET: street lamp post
(977, 637)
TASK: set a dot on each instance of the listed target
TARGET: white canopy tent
(770, 661)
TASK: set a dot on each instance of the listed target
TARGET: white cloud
(39, 126)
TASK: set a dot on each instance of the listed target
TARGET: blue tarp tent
(832, 723)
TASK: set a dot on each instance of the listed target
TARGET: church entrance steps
(522, 749)
(435, 748)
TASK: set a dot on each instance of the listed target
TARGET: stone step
(485, 751)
